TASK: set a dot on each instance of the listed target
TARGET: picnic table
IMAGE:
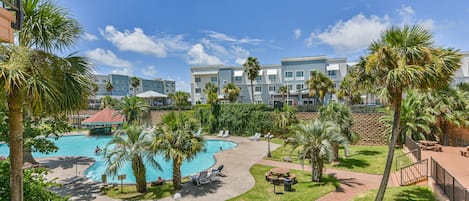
(430, 145)
(281, 176)
(465, 151)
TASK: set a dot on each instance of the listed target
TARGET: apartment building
(462, 74)
(291, 72)
(122, 85)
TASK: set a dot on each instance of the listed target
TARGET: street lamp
(269, 136)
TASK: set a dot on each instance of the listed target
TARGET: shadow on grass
(350, 163)
(325, 180)
(414, 194)
(365, 152)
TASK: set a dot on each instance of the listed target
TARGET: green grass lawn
(364, 159)
(304, 189)
(404, 193)
(153, 192)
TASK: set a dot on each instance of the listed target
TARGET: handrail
(421, 167)
(402, 155)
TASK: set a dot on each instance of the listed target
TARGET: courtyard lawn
(305, 189)
(364, 159)
(153, 192)
(404, 193)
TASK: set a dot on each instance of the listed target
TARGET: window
(288, 74)
(335, 85)
(105, 81)
(258, 78)
(332, 73)
(238, 78)
(258, 102)
(197, 79)
(272, 77)
(272, 88)
(300, 74)
(257, 89)
(289, 87)
(197, 90)
(299, 86)
(213, 79)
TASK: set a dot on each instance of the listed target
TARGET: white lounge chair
(256, 137)
(204, 178)
(199, 132)
(226, 134)
(220, 133)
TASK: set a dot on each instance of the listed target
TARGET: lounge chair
(226, 134)
(256, 137)
(217, 172)
(220, 134)
(199, 132)
(203, 178)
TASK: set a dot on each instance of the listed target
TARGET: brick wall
(155, 114)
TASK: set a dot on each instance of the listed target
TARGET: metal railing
(412, 145)
(448, 184)
(403, 159)
(414, 173)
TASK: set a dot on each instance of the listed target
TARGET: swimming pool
(83, 145)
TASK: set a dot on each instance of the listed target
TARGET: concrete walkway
(238, 180)
(351, 183)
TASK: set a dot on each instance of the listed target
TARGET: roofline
(310, 58)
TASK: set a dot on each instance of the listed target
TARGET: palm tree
(132, 108)
(131, 144)
(319, 85)
(231, 91)
(341, 115)
(314, 140)
(109, 88)
(179, 98)
(252, 68)
(135, 82)
(348, 88)
(284, 91)
(211, 90)
(177, 142)
(32, 76)
(405, 58)
(107, 101)
(95, 93)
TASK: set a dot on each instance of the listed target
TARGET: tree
(341, 115)
(108, 101)
(179, 98)
(135, 82)
(284, 91)
(95, 93)
(32, 76)
(133, 145)
(348, 89)
(231, 91)
(132, 108)
(211, 90)
(252, 68)
(284, 119)
(405, 58)
(109, 88)
(177, 143)
(319, 85)
(314, 140)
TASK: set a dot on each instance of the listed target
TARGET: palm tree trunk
(176, 174)
(316, 168)
(15, 125)
(28, 156)
(335, 152)
(392, 145)
(140, 174)
(252, 92)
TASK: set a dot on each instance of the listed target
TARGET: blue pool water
(82, 145)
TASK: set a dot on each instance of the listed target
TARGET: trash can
(287, 184)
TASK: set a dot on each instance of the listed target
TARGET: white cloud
(310, 39)
(224, 37)
(215, 47)
(122, 71)
(406, 13)
(107, 57)
(197, 56)
(352, 35)
(240, 54)
(297, 33)
(182, 85)
(428, 23)
(89, 37)
(149, 71)
(174, 43)
(134, 41)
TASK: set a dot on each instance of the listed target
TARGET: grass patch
(364, 159)
(153, 192)
(404, 193)
(304, 189)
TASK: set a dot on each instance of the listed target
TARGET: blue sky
(156, 38)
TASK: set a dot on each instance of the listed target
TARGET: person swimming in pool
(97, 150)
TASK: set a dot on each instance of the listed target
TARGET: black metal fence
(413, 146)
(414, 173)
(450, 186)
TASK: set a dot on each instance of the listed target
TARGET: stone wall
(367, 125)
(155, 114)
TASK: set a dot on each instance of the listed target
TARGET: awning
(332, 67)
(238, 73)
(105, 117)
(271, 71)
(205, 73)
(151, 94)
(261, 72)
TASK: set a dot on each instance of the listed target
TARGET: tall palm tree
(135, 82)
(95, 93)
(132, 108)
(314, 140)
(109, 88)
(231, 91)
(348, 88)
(179, 98)
(405, 58)
(341, 115)
(284, 91)
(107, 101)
(32, 76)
(131, 144)
(211, 90)
(319, 85)
(177, 142)
(252, 68)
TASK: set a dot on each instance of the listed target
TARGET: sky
(163, 39)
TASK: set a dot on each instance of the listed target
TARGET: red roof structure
(105, 117)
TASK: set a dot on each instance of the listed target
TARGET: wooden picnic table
(280, 172)
(428, 143)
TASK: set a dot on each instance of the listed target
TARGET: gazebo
(103, 121)
(154, 98)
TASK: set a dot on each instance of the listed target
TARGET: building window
(257, 89)
(289, 87)
(332, 73)
(197, 79)
(300, 74)
(238, 78)
(258, 102)
(272, 88)
(299, 86)
(335, 85)
(258, 78)
(288, 74)
(104, 81)
(197, 90)
(213, 79)
(272, 77)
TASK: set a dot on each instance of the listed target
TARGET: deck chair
(220, 134)
(217, 172)
(226, 134)
(199, 132)
(255, 137)
(204, 178)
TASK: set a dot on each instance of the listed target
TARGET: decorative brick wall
(367, 125)
(155, 114)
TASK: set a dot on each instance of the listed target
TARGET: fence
(414, 173)
(411, 146)
(450, 186)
